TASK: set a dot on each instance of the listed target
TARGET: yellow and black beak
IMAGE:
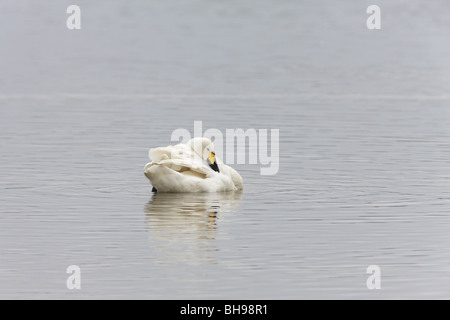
(212, 161)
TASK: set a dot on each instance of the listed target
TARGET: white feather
(183, 168)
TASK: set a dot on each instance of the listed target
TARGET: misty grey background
(364, 149)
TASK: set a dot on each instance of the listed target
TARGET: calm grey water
(364, 172)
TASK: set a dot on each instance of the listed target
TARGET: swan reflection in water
(182, 226)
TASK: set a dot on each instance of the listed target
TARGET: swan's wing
(186, 165)
(180, 158)
(171, 152)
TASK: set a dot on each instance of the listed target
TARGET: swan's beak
(212, 162)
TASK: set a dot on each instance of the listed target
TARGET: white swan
(191, 167)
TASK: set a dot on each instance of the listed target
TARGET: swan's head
(205, 148)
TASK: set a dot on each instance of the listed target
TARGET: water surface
(364, 148)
